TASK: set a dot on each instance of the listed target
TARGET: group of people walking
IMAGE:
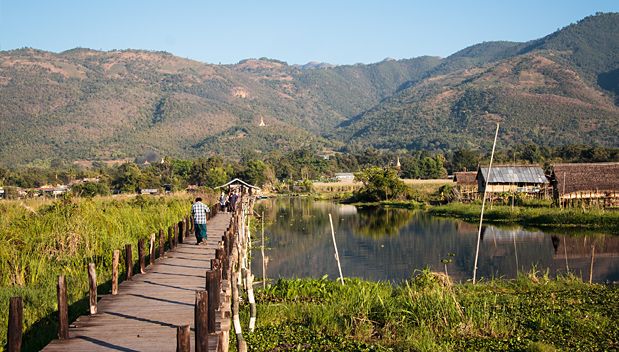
(199, 211)
(227, 203)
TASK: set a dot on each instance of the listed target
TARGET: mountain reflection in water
(392, 244)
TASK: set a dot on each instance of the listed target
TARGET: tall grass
(429, 313)
(40, 240)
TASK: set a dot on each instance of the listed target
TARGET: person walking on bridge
(199, 210)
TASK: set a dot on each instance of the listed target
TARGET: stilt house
(466, 183)
(513, 178)
(585, 181)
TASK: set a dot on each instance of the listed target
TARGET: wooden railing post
(16, 324)
(181, 231)
(176, 241)
(92, 281)
(183, 340)
(220, 254)
(142, 255)
(63, 308)
(161, 244)
(115, 258)
(213, 286)
(128, 262)
(151, 250)
(201, 321)
(170, 238)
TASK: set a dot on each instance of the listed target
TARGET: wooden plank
(146, 312)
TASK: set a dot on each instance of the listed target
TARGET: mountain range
(85, 104)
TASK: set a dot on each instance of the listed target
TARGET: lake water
(392, 244)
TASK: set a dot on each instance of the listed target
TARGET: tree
(90, 189)
(432, 168)
(464, 160)
(379, 184)
(126, 177)
(254, 172)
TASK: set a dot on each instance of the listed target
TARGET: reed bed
(41, 239)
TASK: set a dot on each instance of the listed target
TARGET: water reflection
(390, 244)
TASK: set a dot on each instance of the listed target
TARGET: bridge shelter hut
(466, 184)
(593, 182)
(241, 186)
(528, 179)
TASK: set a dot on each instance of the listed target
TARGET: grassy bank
(535, 215)
(428, 313)
(41, 239)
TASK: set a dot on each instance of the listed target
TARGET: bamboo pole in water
(483, 203)
(337, 257)
(592, 257)
(264, 278)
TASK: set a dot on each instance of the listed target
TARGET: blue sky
(337, 32)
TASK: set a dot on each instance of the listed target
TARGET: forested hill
(560, 89)
(88, 104)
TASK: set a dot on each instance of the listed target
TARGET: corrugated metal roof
(515, 174)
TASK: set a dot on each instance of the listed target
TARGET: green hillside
(547, 94)
(85, 104)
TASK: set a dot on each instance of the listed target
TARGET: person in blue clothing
(222, 202)
(199, 210)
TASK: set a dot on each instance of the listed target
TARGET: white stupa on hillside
(261, 122)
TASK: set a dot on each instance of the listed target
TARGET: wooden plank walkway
(143, 316)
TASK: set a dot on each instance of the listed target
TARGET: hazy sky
(337, 32)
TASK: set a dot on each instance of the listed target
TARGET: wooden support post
(142, 255)
(220, 254)
(170, 238)
(151, 251)
(213, 286)
(16, 324)
(201, 321)
(215, 265)
(63, 308)
(181, 231)
(128, 262)
(92, 281)
(176, 235)
(115, 258)
(161, 244)
(183, 341)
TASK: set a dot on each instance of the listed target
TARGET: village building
(528, 179)
(585, 181)
(151, 191)
(342, 176)
(466, 184)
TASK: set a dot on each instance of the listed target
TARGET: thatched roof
(506, 174)
(465, 178)
(589, 177)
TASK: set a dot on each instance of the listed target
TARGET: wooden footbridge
(158, 310)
